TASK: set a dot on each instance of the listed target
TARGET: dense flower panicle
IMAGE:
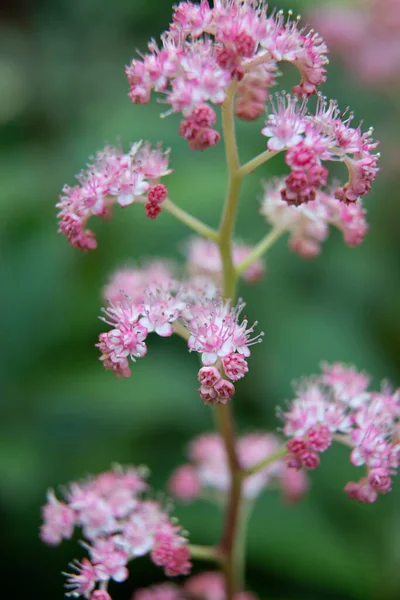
(311, 139)
(148, 300)
(365, 37)
(204, 258)
(118, 523)
(208, 585)
(308, 224)
(208, 469)
(205, 50)
(338, 406)
(112, 178)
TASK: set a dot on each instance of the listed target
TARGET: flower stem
(190, 221)
(280, 453)
(260, 249)
(229, 540)
(205, 553)
(234, 556)
(234, 184)
(255, 162)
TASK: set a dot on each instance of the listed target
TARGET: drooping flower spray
(223, 58)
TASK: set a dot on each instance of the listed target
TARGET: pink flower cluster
(118, 524)
(112, 178)
(308, 224)
(365, 35)
(204, 259)
(206, 50)
(338, 406)
(205, 586)
(207, 473)
(150, 300)
(311, 139)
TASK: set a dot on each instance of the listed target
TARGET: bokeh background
(63, 94)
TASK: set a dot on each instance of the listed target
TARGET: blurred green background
(63, 94)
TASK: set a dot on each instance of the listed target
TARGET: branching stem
(190, 221)
(260, 249)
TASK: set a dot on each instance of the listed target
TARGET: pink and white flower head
(215, 332)
(338, 406)
(207, 50)
(112, 178)
(204, 259)
(311, 139)
(308, 224)
(209, 468)
(118, 523)
(149, 300)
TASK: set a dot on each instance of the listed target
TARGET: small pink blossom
(285, 124)
(184, 483)
(235, 366)
(112, 178)
(118, 524)
(338, 406)
(59, 520)
(308, 224)
(83, 581)
(208, 376)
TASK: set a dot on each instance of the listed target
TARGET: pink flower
(217, 333)
(184, 483)
(118, 524)
(308, 224)
(83, 582)
(337, 405)
(112, 178)
(206, 49)
(171, 552)
(59, 520)
(110, 562)
(285, 124)
(235, 366)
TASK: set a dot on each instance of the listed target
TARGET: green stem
(260, 249)
(190, 221)
(234, 184)
(280, 453)
(205, 553)
(255, 162)
(229, 542)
